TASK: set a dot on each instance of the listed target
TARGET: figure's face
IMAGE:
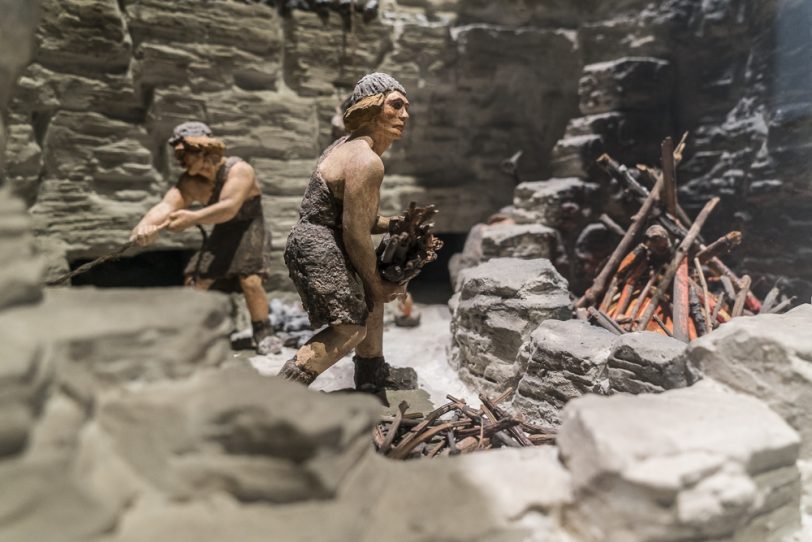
(191, 159)
(394, 114)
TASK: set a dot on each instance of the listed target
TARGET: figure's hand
(180, 220)
(146, 234)
(384, 291)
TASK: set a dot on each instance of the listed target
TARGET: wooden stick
(610, 294)
(662, 325)
(783, 305)
(681, 302)
(770, 299)
(728, 285)
(697, 314)
(393, 428)
(680, 150)
(611, 225)
(603, 320)
(638, 222)
(720, 247)
(738, 306)
(718, 307)
(671, 270)
(669, 176)
(705, 296)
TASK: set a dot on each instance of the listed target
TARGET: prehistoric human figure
(227, 187)
(330, 253)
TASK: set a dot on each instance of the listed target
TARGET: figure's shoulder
(362, 157)
(240, 167)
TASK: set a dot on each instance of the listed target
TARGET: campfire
(671, 282)
(455, 428)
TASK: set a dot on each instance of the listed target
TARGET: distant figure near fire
(227, 187)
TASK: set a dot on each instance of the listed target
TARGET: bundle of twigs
(409, 245)
(455, 428)
(671, 282)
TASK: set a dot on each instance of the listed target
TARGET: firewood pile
(670, 282)
(409, 245)
(455, 428)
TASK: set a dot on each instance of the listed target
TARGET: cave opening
(433, 284)
(158, 268)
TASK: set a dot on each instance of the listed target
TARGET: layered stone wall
(560, 80)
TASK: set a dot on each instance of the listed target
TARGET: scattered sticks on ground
(662, 276)
(455, 428)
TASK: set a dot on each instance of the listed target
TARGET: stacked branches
(671, 282)
(455, 428)
(409, 245)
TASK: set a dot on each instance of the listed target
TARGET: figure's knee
(251, 282)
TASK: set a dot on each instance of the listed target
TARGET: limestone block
(23, 159)
(395, 496)
(497, 306)
(22, 270)
(560, 361)
(233, 431)
(543, 202)
(627, 83)
(24, 377)
(767, 356)
(320, 53)
(521, 13)
(252, 27)
(105, 338)
(41, 90)
(575, 156)
(526, 241)
(204, 67)
(713, 464)
(71, 34)
(647, 362)
(563, 360)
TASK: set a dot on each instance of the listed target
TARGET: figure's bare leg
(372, 344)
(328, 346)
(255, 297)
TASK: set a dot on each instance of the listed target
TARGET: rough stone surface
(497, 305)
(563, 360)
(713, 464)
(526, 241)
(767, 356)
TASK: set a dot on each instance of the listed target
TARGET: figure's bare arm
(362, 184)
(146, 231)
(236, 190)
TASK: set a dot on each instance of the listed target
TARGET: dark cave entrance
(433, 284)
(148, 269)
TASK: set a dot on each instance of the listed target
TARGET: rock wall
(561, 81)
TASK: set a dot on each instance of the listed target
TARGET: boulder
(768, 356)
(497, 305)
(98, 339)
(552, 202)
(563, 360)
(629, 83)
(22, 270)
(525, 241)
(698, 463)
(233, 431)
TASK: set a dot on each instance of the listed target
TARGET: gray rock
(234, 431)
(699, 463)
(767, 356)
(99, 339)
(561, 360)
(22, 268)
(526, 241)
(625, 84)
(543, 201)
(647, 362)
(395, 496)
(497, 305)
(564, 360)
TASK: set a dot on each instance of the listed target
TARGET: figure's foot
(264, 339)
(294, 373)
(373, 375)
